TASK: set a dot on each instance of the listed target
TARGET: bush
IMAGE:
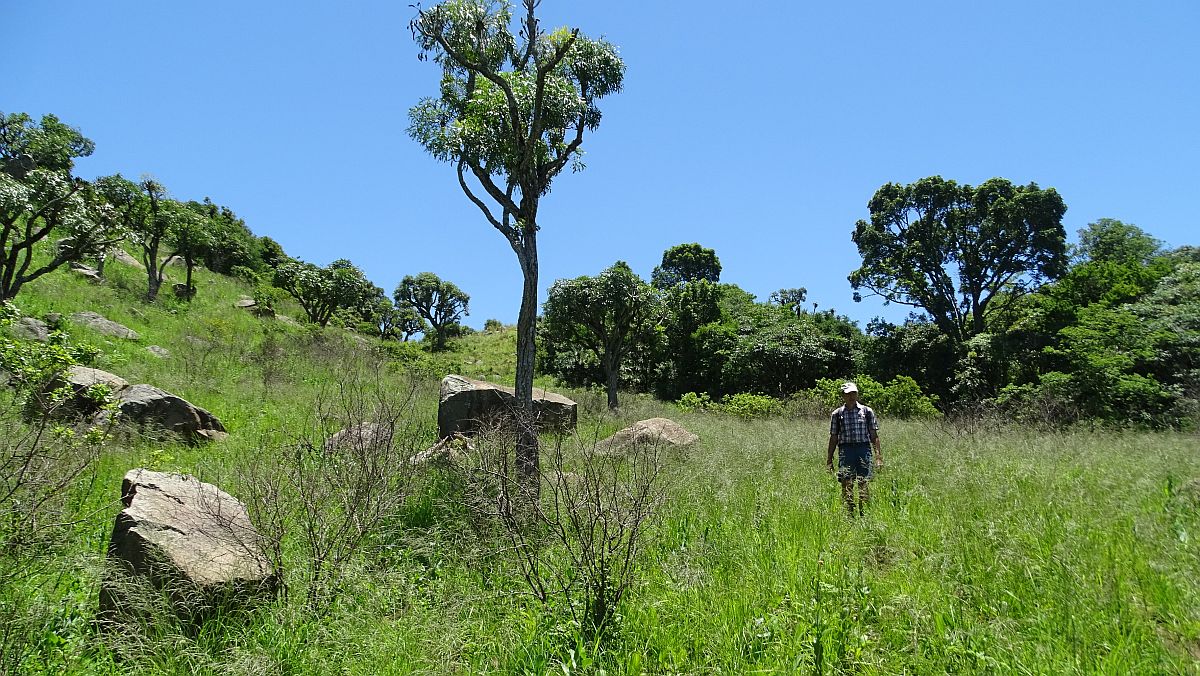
(691, 402)
(746, 405)
(901, 398)
(246, 274)
(492, 325)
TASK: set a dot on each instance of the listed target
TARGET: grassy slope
(984, 551)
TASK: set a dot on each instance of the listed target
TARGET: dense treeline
(1007, 317)
(1109, 331)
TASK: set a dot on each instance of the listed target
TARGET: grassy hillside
(986, 549)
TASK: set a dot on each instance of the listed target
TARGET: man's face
(850, 398)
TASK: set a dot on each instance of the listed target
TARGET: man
(853, 430)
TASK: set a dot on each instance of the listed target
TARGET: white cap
(849, 387)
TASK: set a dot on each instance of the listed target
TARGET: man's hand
(878, 462)
(829, 466)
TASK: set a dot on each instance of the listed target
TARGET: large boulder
(158, 409)
(80, 379)
(189, 540)
(661, 432)
(465, 404)
(101, 324)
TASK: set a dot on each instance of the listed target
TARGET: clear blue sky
(759, 129)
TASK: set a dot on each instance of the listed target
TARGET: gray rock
(156, 409)
(661, 432)
(28, 328)
(90, 274)
(183, 291)
(160, 352)
(464, 404)
(52, 318)
(244, 302)
(358, 437)
(187, 539)
(100, 324)
(123, 257)
(448, 450)
(81, 378)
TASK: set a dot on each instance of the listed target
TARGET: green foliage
(1109, 240)
(324, 291)
(610, 315)
(686, 263)
(493, 325)
(958, 252)
(900, 398)
(248, 275)
(436, 301)
(38, 196)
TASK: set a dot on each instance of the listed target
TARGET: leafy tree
(1111, 240)
(608, 315)
(690, 305)
(686, 263)
(511, 114)
(38, 195)
(324, 291)
(792, 299)
(230, 242)
(438, 302)
(191, 237)
(271, 254)
(959, 252)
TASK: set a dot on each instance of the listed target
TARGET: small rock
(121, 256)
(447, 450)
(90, 274)
(244, 302)
(28, 328)
(360, 436)
(160, 352)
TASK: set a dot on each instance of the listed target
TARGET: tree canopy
(438, 302)
(959, 252)
(324, 291)
(610, 315)
(686, 263)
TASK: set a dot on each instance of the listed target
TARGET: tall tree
(1110, 240)
(191, 236)
(511, 115)
(792, 299)
(685, 263)
(959, 252)
(438, 302)
(609, 314)
(38, 195)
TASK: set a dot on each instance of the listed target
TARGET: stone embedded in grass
(464, 404)
(359, 437)
(653, 432)
(122, 256)
(28, 328)
(447, 451)
(188, 542)
(157, 351)
(101, 324)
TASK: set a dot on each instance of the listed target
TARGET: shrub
(746, 405)
(902, 397)
(246, 274)
(493, 325)
(692, 402)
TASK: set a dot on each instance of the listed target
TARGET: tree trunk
(612, 370)
(527, 438)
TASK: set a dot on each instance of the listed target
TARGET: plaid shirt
(854, 426)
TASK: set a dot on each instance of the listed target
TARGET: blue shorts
(854, 461)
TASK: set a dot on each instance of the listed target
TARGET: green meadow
(987, 547)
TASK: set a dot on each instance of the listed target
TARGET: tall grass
(1005, 551)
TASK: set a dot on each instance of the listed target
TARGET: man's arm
(833, 439)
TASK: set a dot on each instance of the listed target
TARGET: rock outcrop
(188, 540)
(464, 404)
(155, 409)
(101, 324)
(661, 432)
